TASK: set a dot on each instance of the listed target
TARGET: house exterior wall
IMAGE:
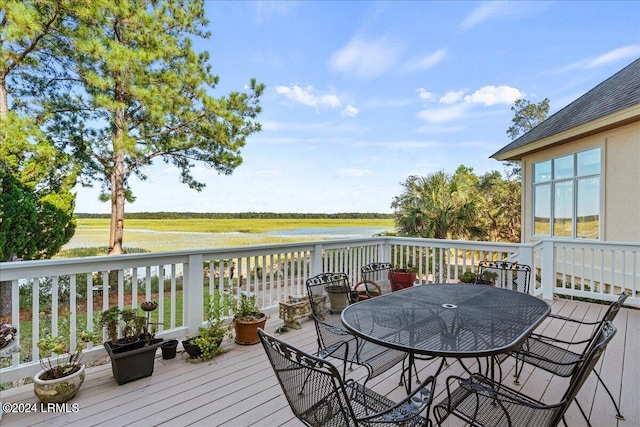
(620, 182)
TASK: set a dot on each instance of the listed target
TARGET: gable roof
(618, 93)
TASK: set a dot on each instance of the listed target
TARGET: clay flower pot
(247, 330)
(401, 280)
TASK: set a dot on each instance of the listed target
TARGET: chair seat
(475, 401)
(548, 356)
(364, 402)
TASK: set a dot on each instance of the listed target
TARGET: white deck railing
(273, 272)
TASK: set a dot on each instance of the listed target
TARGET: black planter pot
(169, 349)
(132, 361)
(191, 347)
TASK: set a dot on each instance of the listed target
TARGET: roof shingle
(618, 92)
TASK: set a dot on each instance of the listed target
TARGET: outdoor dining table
(447, 321)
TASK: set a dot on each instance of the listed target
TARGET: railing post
(385, 251)
(548, 269)
(316, 260)
(525, 257)
(193, 289)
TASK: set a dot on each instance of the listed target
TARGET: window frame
(551, 183)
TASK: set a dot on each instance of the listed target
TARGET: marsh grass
(161, 235)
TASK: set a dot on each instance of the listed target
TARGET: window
(566, 196)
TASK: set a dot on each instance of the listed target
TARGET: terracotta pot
(247, 330)
(401, 280)
(59, 390)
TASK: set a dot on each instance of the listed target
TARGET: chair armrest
(543, 359)
(569, 319)
(548, 339)
(410, 407)
(331, 328)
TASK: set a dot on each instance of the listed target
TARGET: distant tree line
(243, 215)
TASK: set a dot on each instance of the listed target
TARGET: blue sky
(360, 95)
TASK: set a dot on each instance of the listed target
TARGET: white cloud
(440, 115)
(350, 111)
(425, 62)
(365, 58)
(307, 96)
(452, 96)
(497, 9)
(491, 95)
(352, 173)
(423, 94)
(627, 52)
(270, 125)
(615, 55)
(439, 129)
(484, 12)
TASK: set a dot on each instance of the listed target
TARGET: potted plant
(486, 278)
(61, 378)
(338, 297)
(133, 353)
(9, 344)
(207, 343)
(247, 318)
(402, 277)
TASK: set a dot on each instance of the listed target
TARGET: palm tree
(440, 206)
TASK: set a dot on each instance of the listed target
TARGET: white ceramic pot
(59, 390)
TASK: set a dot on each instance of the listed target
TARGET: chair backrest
(374, 277)
(603, 337)
(327, 285)
(313, 387)
(376, 271)
(614, 308)
(508, 275)
(609, 316)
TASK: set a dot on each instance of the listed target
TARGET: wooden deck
(238, 388)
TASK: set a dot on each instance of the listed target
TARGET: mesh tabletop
(448, 320)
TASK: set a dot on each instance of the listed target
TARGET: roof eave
(617, 119)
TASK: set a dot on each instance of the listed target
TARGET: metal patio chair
(509, 275)
(372, 274)
(319, 396)
(479, 401)
(333, 339)
(552, 354)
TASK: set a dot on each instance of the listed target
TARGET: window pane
(542, 209)
(563, 209)
(542, 171)
(563, 167)
(588, 216)
(589, 162)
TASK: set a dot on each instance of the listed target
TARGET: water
(334, 233)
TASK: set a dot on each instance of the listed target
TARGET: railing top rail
(587, 243)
